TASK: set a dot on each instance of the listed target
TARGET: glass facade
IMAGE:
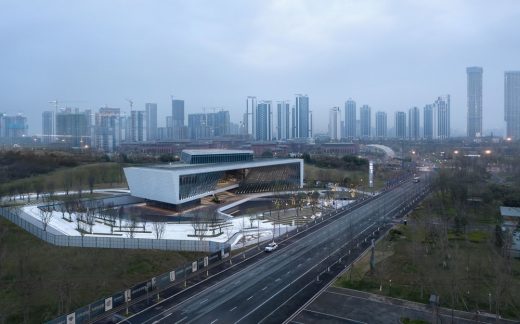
(247, 180)
(215, 158)
(270, 178)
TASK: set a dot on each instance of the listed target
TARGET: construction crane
(131, 102)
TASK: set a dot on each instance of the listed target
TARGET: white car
(271, 247)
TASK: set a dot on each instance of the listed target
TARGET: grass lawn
(48, 281)
(416, 260)
(313, 172)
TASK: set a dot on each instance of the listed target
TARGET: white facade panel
(153, 184)
(161, 183)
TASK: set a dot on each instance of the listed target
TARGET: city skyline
(215, 66)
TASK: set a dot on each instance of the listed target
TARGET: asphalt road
(273, 288)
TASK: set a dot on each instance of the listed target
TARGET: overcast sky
(391, 55)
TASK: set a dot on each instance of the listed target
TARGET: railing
(149, 289)
(110, 242)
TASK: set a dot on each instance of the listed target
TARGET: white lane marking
(214, 321)
(181, 320)
(278, 280)
(232, 309)
(264, 288)
(205, 300)
(335, 316)
(251, 297)
(299, 265)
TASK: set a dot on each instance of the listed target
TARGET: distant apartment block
(107, 135)
(73, 127)
(13, 126)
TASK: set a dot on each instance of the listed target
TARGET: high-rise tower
(350, 118)
(264, 124)
(413, 124)
(428, 121)
(177, 118)
(365, 118)
(474, 75)
(282, 120)
(442, 117)
(400, 124)
(381, 124)
(302, 116)
(512, 104)
(47, 126)
(151, 121)
(334, 123)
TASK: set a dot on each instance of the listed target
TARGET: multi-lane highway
(272, 288)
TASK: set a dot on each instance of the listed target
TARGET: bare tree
(90, 217)
(200, 225)
(120, 215)
(80, 217)
(67, 183)
(46, 217)
(62, 209)
(69, 207)
(131, 226)
(158, 229)
(50, 188)
(91, 179)
(80, 178)
(111, 214)
(38, 188)
(314, 201)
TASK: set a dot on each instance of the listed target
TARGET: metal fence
(111, 242)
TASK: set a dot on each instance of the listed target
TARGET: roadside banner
(108, 304)
(71, 318)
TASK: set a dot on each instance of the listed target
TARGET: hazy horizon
(390, 55)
